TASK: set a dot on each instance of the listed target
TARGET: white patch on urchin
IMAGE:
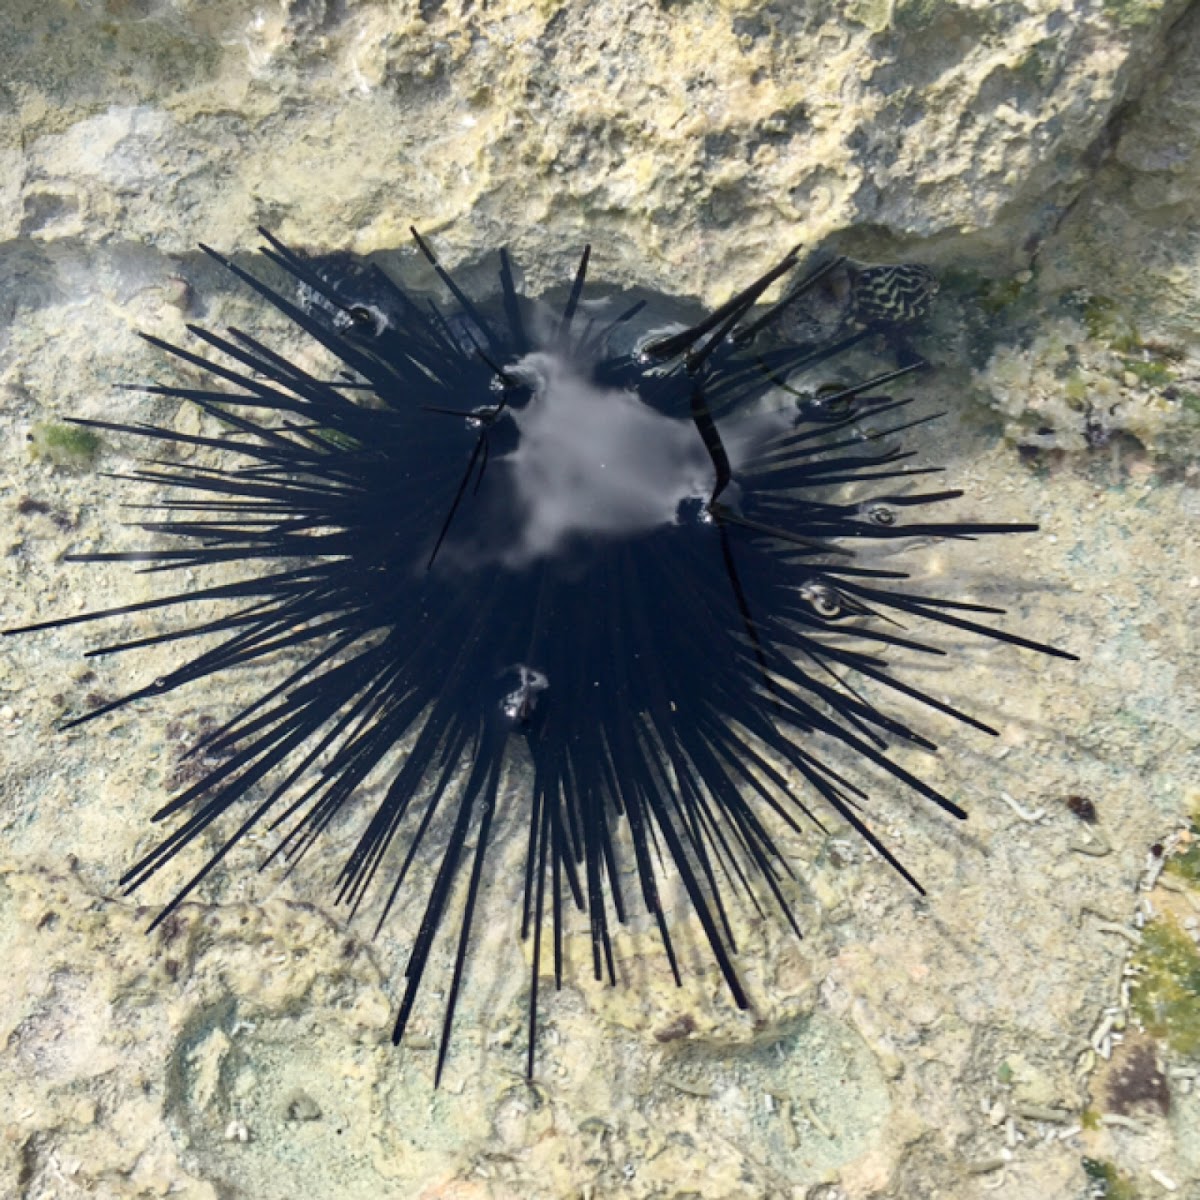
(600, 463)
(597, 462)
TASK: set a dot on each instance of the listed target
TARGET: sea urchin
(495, 532)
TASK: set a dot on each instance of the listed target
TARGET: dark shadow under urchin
(492, 524)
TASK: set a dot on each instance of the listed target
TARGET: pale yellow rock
(692, 143)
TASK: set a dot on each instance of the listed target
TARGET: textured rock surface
(1046, 161)
(1114, 293)
(654, 130)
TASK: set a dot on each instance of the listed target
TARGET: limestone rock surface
(1043, 159)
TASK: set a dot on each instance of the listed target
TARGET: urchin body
(631, 557)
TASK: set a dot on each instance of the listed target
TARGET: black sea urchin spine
(491, 529)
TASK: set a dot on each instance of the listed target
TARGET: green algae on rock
(1166, 994)
(65, 445)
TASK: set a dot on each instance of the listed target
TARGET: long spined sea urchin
(493, 531)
